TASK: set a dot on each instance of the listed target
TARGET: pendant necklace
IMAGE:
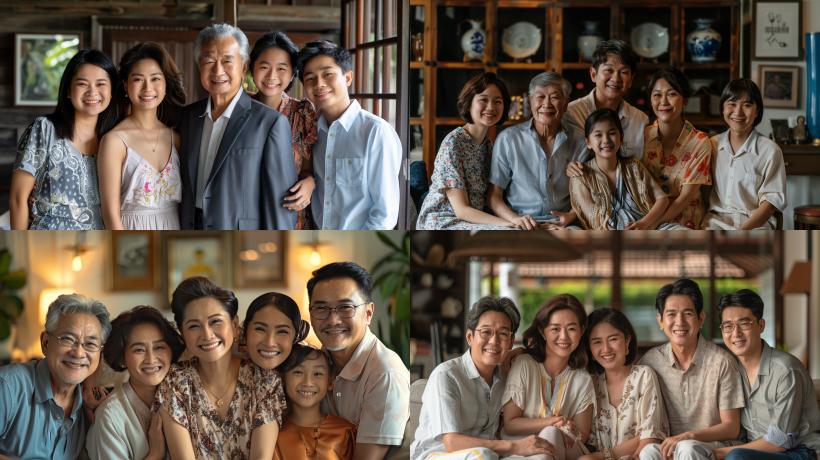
(85, 150)
(219, 401)
(315, 436)
(154, 147)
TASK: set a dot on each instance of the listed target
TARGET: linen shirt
(534, 182)
(212, 132)
(633, 122)
(745, 179)
(781, 407)
(640, 413)
(356, 169)
(120, 431)
(694, 397)
(372, 391)
(32, 424)
(458, 400)
(530, 388)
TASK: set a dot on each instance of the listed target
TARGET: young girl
(140, 183)
(462, 169)
(58, 153)
(307, 433)
(615, 192)
(549, 393)
(750, 178)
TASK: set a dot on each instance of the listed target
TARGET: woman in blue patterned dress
(57, 153)
(462, 168)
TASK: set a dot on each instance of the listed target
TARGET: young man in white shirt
(356, 159)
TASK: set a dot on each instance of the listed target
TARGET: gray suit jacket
(252, 172)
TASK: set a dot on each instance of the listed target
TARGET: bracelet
(607, 453)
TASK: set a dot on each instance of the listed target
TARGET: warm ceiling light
(315, 257)
(77, 263)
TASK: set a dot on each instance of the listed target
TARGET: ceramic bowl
(650, 40)
(698, 83)
(521, 40)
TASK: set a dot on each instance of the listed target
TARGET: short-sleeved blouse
(337, 440)
(689, 163)
(67, 196)
(257, 401)
(305, 133)
(640, 413)
(530, 388)
(460, 163)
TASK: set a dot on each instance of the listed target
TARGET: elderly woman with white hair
(235, 152)
(41, 401)
(530, 160)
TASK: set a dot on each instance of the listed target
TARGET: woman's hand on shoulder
(92, 398)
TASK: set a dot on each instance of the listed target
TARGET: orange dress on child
(336, 440)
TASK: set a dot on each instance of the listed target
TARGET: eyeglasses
(487, 333)
(729, 327)
(342, 311)
(69, 341)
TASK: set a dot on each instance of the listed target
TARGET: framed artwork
(777, 30)
(195, 253)
(259, 258)
(781, 132)
(132, 261)
(39, 62)
(779, 85)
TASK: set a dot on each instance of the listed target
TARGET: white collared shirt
(633, 121)
(745, 179)
(212, 133)
(356, 168)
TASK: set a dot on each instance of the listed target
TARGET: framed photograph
(132, 261)
(777, 30)
(259, 258)
(779, 85)
(39, 62)
(195, 253)
(781, 132)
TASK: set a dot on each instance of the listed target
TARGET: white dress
(150, 198)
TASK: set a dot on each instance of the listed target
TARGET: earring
(627, 351)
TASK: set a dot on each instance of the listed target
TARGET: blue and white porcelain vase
(474, 41)
(813, 85)
(589, 40)
(704, 42)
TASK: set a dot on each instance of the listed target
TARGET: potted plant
(392, 277)
(11, 306)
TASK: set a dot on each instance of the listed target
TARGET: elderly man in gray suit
(235, 160)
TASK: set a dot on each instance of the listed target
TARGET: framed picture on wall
(260, 259)
(132, 263)
(777, 30)
(39, 62)
(195, 253)
(779, 85)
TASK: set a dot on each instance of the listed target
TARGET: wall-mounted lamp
(78, 249)
(315, 256)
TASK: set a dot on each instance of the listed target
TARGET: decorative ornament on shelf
(418, 47)
(474, 41)
(589, 40)
(800, 134)
(704, 42)
(521, 40)
(650, 40)
(516, 108)
(813, 85)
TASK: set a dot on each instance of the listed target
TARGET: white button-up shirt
(633, 121)
(744, 180)
(356, 168)
(212, 133)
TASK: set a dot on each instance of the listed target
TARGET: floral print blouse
(259, 399)
(305, 133)
(688, 163)
(640, 413)
(460, 163)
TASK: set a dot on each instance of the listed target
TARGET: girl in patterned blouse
(462, 168)
(215, 405)
(630, 413)
(272, 61)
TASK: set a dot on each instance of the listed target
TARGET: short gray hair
(222, 30)
(69, 304)
(545, 79)
(488, 303)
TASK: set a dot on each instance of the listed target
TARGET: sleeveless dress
(150, 198)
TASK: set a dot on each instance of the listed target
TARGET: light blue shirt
(356, 168)
(32, 425)
(534, 183)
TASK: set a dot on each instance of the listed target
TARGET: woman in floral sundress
(462, 168)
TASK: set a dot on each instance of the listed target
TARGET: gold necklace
(219, 402)
(146, 137)
(315, 436)
(85, 150)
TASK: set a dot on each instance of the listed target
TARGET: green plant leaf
(387, 241)
(403, 305)
(14, 280)
(11, 306)
(5, 328)
(5, 262)
(389, 287)
(381, 263)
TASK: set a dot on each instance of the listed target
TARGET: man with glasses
(41, 412)
(462, 400)
(372, 385)
(781, 417)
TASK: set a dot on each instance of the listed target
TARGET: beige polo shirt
(373, 391)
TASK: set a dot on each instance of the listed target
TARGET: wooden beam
(332, 15)
(230, 12)
(168, 9)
